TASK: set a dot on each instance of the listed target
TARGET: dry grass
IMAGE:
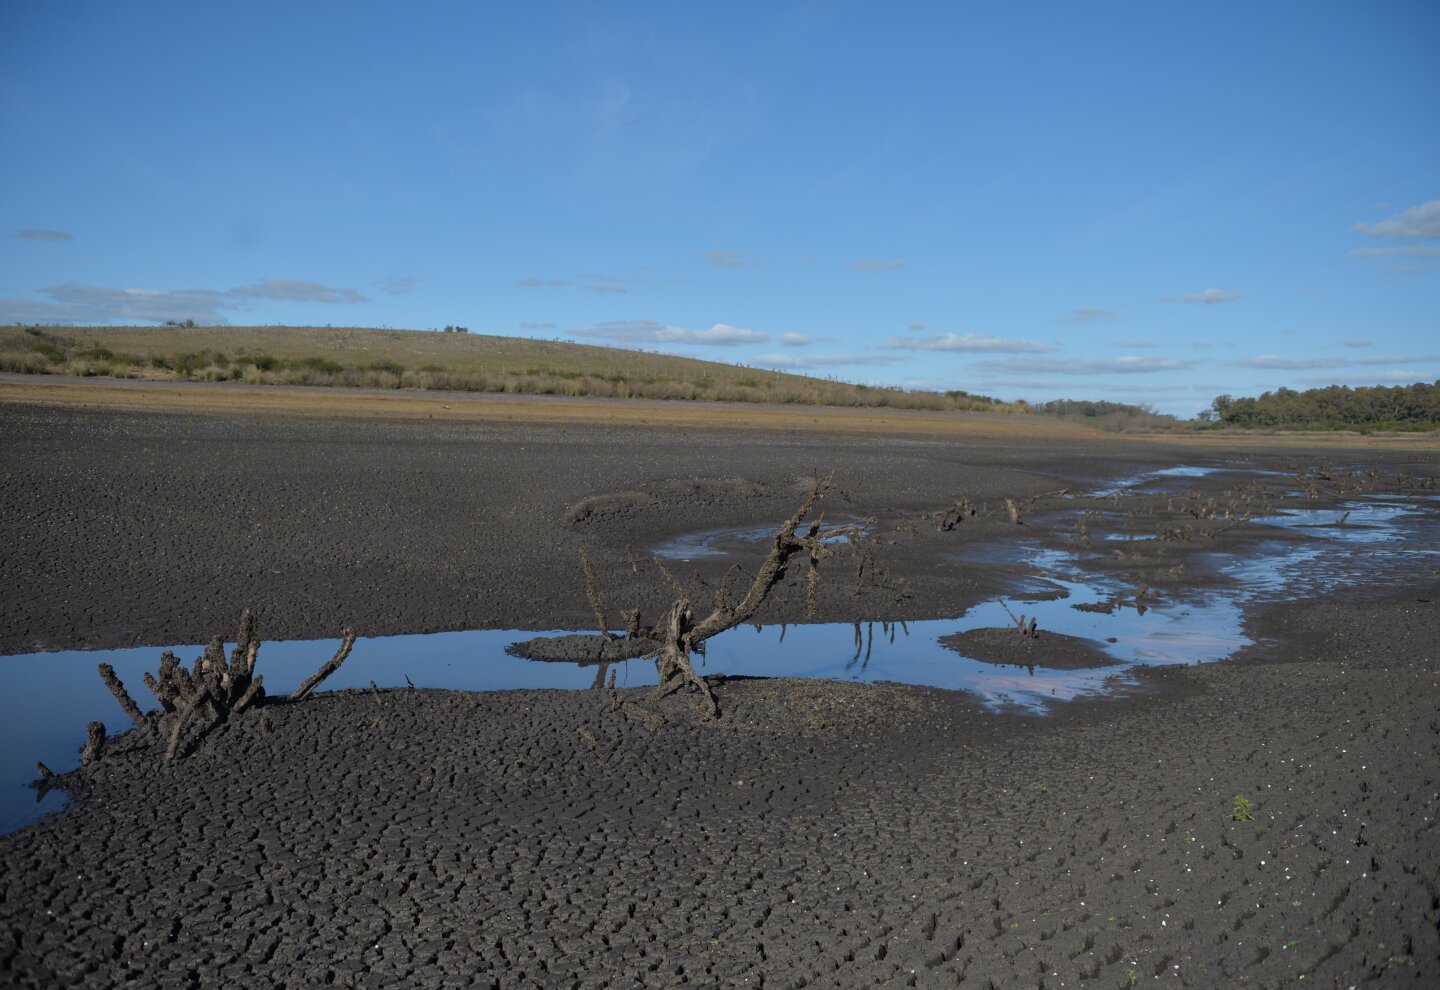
(428, 361)
(240, 399)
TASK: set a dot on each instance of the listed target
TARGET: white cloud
(651, 332)
(43, 235)
(1356, 343)
(806, 361)
(1091, 314)
(917, 325)
(970, 343)
(877, 265)
(550, 283)
(1418, 221)
(796, 340)
(1210, 296)
(1136, 344)
(1129, 364)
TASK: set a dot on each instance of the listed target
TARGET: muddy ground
(816, 835)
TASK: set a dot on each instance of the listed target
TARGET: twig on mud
(1014, 511)
(592, 594)
(1029, 631)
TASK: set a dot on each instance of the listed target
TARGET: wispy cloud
(652, 332)
(1134, 344)
(1356, 343)
(1130, 364)
(1210, 297)
(810, 361)
(591, 281)
(71, 302)
(1274, 362)
(527, 325)
(1418, 221)
(1092, 314)
(970, 343)
(1395, 376)
(75, 303)
(294, 290)
(877, 265)
(1400, 250)
(43, 235)
(727, 259)
(796, 340)
(917, 325)
(397, 285)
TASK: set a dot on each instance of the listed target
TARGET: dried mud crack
(817, 835)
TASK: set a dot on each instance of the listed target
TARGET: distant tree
(1404, 407)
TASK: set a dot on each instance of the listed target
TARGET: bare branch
(592, 594)
(326, 669)
(107, 674)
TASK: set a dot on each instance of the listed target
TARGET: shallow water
(47, 698)
(727, 540)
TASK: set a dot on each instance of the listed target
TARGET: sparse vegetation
(1113, 417)
(454, 360)
(1242, 809)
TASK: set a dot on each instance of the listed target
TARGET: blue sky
(1148, 202)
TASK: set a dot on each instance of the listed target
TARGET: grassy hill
(415, 359)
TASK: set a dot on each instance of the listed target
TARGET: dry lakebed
(1071, 710)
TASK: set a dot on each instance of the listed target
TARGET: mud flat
(818, 834)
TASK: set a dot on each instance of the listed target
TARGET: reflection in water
(47, 698)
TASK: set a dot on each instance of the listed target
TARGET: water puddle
(728, 541)
(1159, 474)
(46, 699)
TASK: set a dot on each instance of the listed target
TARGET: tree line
(1334, 407)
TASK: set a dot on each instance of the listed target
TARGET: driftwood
(962, 509)
(681, 633)
(327, 668)
(107, 674)
(1014, 511)
(224, 687)
(94, 744)
(1028, 630)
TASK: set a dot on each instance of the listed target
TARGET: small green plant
(1294, 942)
(1241, 809)
(1132, 977)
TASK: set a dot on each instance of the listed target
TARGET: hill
(418, 359)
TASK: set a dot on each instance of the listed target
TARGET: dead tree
(226, 687)
(681, 633)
